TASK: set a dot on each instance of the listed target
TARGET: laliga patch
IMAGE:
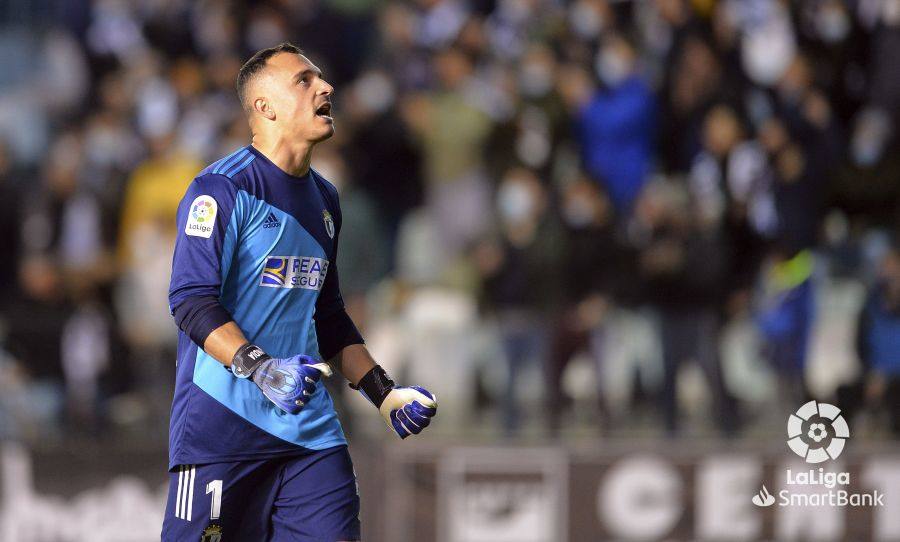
(202, 218)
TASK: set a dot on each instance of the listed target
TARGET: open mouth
(324, 110)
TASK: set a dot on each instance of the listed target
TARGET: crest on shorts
(329, 223)
(213, 533)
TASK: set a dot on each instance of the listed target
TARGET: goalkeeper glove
(289, 383)
(406, 410)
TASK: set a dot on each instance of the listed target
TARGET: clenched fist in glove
(405, 410)
(288, 383)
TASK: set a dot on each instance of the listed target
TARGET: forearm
(353, 361)
(223, 342)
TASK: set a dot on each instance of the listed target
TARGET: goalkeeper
(256, 451)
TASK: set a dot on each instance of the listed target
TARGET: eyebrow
(299, 76)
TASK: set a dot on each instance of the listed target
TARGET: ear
(264, 108)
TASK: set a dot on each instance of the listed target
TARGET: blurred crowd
(667, 214)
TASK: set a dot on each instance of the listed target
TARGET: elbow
(335, 332)
(198, 316)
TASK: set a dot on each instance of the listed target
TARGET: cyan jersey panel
(203, 430)
(274, 314)
(313, 428)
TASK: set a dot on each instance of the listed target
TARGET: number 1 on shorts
(215, 487)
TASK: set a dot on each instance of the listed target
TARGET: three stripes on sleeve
(233, 163)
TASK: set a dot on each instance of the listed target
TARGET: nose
(326, 88)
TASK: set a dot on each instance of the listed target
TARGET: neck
(292, 157)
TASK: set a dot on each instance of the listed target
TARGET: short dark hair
(256, 63)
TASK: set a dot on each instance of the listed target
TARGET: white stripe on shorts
(190, 505)
(178, 492)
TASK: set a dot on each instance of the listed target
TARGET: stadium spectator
(685, 264)
(877, 340)
(385, 160)
(616, 128)
(41, 310)
(453, 130)
(520, 283)
(730, 183)
(784, 313)
(597, 267)
(146, 230)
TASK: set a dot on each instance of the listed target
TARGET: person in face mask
(871, 135)
(520, 271)
(537, 72)
(616, 127)
(596, 267)
(768, 42)
(589, 18)
(614, 62)
(832, 22)
(518, 202)
(539, 121)
(866, 186)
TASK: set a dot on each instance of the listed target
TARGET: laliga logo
(817, 432)
(201, 210)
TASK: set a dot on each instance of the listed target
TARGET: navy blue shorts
(302, 498)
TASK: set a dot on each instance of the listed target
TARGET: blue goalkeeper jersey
(260, 244)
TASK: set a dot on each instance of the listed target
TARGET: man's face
(299, 96)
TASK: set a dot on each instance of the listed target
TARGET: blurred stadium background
(621, 240)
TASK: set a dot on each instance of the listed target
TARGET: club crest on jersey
(213, 533)
(202, 220)
(304, 272)
(329, 223)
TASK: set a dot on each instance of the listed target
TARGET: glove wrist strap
(375, 385)
(247, 359)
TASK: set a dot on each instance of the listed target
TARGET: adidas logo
(271, 221)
